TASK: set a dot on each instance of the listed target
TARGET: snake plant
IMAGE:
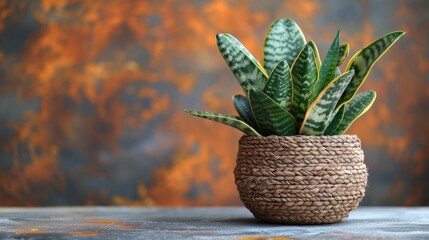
(293, 92)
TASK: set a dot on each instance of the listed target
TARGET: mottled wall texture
(92, 96)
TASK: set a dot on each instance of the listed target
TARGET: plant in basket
(295, 164)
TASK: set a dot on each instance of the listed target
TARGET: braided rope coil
(301, 179)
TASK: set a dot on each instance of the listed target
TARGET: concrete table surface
(203, 223)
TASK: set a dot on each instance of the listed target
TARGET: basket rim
(302, 136)
(300, 149)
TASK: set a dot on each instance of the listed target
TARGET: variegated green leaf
(304, 75)
(343, 53)
(337, 72)
(272, 119)
(246, 69)
(319, 113)
(356, 108)
(316, 53)
(279, 85)
(337, 117)
(363, 61)
(329, 64)
(284, 41)
(242, 106)
(229, 120)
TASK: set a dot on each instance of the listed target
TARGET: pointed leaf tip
(283, 41)
(230, 120)
(304, 75)
(343, 53)
(279, 85)
(328, 68)
(245, 67)
(364, 60)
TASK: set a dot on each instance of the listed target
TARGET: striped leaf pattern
(329, 64)
(335, 122)
(356, 108)
(337, 72)
(272, 119)
(229, 120)
(364, 60)
(319, 113)
(242, 106)
(343, 53)
(284, 41)
(279, 85)
(294, 92)
(316, 54)
(304, 75)
(246, 69)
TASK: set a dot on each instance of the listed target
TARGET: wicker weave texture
(301, 179)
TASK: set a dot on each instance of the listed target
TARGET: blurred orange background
(92, 96)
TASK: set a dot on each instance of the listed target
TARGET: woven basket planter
(301, 179)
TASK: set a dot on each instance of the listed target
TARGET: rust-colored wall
(92, 93)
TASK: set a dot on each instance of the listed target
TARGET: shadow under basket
(301, 179)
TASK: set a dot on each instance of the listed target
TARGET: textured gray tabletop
(203, 223)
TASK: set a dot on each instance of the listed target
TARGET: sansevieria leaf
(279, 85)
(343, 53)
(284, 41)
(364, 60)
(242, 106)
(337, 117)
(319, 113)
(229, 120)
(246, 69)
(356, 108)
(316, 54)
(337, 72)
(272, 119)
(304, 75)
(329, 64)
